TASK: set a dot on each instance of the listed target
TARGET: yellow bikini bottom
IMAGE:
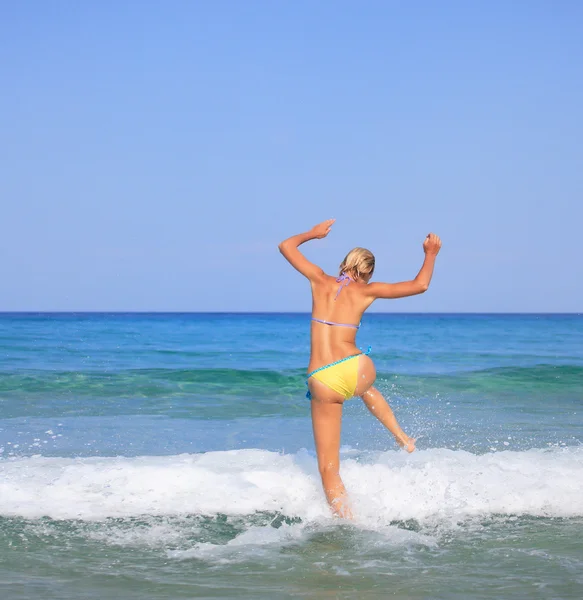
(340, 376)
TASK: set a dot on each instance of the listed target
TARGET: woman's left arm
(290, 249)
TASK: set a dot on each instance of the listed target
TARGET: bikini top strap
(343, 280)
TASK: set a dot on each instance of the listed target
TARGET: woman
(338, 370)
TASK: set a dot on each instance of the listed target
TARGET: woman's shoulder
(327, 279)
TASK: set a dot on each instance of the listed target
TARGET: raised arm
(431, 247)
(289, 248)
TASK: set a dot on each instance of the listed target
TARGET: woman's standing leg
(327, 424)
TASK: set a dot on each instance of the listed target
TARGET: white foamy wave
(435, 485)
(255, 541)
(259, 542)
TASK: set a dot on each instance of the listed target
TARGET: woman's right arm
(431, 246)
(289, 249)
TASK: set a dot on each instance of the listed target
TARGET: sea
(170, 456)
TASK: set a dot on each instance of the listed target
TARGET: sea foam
(431, 486)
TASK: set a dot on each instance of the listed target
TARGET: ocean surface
(170, 456)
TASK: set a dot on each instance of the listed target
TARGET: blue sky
(154, 154)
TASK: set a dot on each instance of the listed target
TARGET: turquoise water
(171, 456)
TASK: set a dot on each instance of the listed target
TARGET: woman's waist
(321, 357)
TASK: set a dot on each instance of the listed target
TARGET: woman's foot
(341, 507)
(406, 443)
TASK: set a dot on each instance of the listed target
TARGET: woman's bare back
(343, 303)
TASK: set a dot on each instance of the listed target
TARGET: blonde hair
(359, 263)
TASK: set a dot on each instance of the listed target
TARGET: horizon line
(267, 312)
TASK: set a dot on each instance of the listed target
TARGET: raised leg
(377, 405)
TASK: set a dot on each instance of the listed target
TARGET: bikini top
(343, 280)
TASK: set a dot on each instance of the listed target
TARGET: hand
(322, 229)
(432, 244)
